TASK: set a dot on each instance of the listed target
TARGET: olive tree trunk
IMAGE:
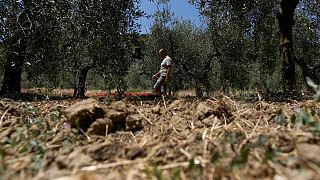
(13, 67)
(286, 22)
(80, 89)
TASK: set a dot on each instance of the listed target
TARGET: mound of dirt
(84, 113)
(96, 119)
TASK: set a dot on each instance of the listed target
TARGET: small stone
(134, 122)
(209, 121)
(131, 109)
(203, 111)
(156, 109)
(119, 106)
(104, 151)
(99, 127)
(175, 105)
(116, 116)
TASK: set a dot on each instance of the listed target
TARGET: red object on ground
(128, 94)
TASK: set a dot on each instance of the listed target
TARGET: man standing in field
(164, 75)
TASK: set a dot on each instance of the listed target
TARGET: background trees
(58, 43)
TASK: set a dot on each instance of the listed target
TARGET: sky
(180, 8)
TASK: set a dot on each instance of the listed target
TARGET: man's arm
(168, 76)
(156, 75)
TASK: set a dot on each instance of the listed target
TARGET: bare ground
(179, 138)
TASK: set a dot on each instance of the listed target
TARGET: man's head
(163, 53)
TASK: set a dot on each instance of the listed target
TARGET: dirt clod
(218, 108)
(116, 116)
(84, 113)
(309, 152)
(156, 109)
(99, 127)
(134, 122)
(105, 151)
(204, 110)
(119, 106)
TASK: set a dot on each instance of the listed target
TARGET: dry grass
(225, 139)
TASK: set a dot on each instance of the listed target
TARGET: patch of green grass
(153, 172)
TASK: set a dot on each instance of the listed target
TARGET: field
(178, 137)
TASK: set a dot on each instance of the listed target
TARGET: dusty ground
(174, 138)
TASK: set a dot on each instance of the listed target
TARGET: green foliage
(187, 45)
(246, 35)
(30, 137)
(280, 118)
(315, 87)
(153, 173)
(269, 154)
(240, 160)
(260, 140)
(176, 175)
(236, 49)
(307, 117)
(214, 157)
(64, 36)
(303, 119)
(195, 168)
(3, 165)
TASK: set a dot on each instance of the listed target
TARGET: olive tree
(54, 38)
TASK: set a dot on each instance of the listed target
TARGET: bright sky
(180, 8)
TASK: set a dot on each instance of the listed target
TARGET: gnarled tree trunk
(13, 67)
(286, 22)
(79, 91)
